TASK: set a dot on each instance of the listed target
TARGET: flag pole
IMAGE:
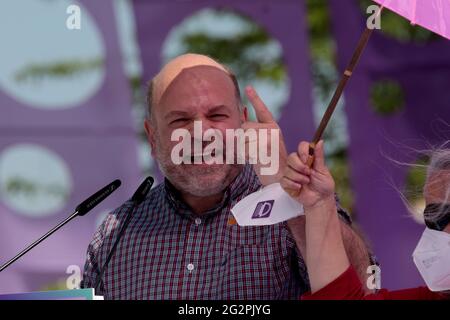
(362, 43)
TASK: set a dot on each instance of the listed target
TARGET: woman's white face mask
(432, 259)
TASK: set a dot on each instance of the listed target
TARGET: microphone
(142, 190)
(136, 199)
(80, 210)
(88, 204)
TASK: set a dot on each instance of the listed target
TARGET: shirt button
(190, 267)
(198, 221)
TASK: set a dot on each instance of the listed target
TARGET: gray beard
(200, 187)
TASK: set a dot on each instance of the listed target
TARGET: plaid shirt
(168, 252)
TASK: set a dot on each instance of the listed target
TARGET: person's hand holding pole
(325, 256)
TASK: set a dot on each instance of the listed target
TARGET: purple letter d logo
(263, 209)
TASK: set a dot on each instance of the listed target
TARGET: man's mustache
(207, 152)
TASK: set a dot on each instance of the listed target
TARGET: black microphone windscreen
(97, 197)
(142, 190)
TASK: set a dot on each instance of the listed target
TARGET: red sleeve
(348, 287)
(345, 287)
(421, 293)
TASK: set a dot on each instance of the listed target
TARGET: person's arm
(324, 250)
(348, 287)
(355, 246)
(92, 266)
(325, 253)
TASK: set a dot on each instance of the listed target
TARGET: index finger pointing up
(262, 113)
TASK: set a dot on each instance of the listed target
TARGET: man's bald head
(159, 84)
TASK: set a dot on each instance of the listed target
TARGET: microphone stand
(136, 199)
(34, 244)
(80, 210)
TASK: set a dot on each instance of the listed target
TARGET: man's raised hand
(266, 121)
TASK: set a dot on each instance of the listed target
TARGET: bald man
(179, 243)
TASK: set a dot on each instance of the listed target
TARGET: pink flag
(433, 15)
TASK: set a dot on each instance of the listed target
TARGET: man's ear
(150, 131)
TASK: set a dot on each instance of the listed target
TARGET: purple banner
(56, 149)
(155, 20)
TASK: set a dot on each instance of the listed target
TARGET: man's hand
(266, 121)
(315, 184)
